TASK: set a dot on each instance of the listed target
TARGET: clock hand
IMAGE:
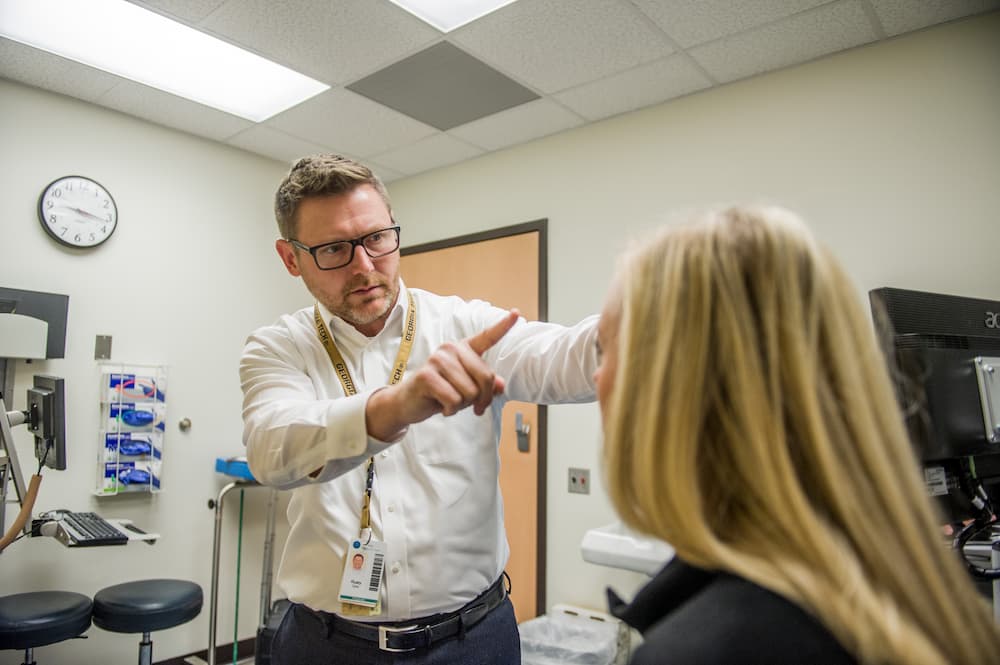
(80, 211)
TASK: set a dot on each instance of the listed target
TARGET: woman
(750, 422)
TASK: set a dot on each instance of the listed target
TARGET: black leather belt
(421, 634)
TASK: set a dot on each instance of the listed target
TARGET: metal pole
(8, 366)
(13, 470)
(146, 650)
(213, 605)
(267, 574)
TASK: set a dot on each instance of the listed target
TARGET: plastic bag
(562, 639)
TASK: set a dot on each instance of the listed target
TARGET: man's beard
(362, 314)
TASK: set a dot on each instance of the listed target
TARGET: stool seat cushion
(146, 605)
(38, 618)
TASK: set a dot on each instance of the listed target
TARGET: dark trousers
(304, 638)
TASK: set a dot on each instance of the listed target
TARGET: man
(361, 404)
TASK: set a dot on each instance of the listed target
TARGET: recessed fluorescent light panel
(446, 15)
(137, 44)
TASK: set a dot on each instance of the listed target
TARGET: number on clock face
(77, 211)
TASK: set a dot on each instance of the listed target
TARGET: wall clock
(77, 211)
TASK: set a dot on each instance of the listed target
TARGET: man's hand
(454, 378)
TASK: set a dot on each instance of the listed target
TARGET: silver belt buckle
(383, 638)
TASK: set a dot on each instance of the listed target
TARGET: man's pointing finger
(482, 341)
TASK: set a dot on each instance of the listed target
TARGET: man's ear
(288, 256)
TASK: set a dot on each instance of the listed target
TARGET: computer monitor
(939, 349)
(49, 307)
(46, 406)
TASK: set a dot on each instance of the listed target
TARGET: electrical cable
(41, 462)
(22, 517)
(28, 500)
(20, 537)
(972, 529)
(984, 520)
(27, 505)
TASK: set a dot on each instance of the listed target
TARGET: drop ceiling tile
(348, 122)
(333, 41)
(443, 86)
(187, 11)
(899, 16)
(648, 84)
(43, 70)
(275, 144)
(800, 38)
(385, 174)
(518, 125)
(429, 153)
(597, 57)
(692, 22)
(172, 111)
(552, 45)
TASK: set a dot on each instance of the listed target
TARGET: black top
(690, 616)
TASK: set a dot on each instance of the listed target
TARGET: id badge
(362, 578)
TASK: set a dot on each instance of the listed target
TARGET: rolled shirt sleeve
(292, 424)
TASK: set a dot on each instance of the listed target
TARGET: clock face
(77, 211)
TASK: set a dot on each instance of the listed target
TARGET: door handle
(523, 431)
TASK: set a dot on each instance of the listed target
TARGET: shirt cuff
(379, 444)
(348, 443)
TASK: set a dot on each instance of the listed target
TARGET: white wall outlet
(579, 481)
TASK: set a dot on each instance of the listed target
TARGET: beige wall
(187, 274)
(892, 153)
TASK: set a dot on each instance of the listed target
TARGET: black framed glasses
(333, 255)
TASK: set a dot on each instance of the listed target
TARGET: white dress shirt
(436, 500)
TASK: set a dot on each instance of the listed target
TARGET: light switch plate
(102, 347)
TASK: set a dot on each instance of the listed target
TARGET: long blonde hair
(753, 426)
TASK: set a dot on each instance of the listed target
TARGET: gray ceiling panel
(444, 87)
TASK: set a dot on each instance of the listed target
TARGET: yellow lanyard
(340, 367)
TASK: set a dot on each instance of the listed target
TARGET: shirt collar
(675, 584)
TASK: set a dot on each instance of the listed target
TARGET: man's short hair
(320, 175)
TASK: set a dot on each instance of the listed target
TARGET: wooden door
(505, 267)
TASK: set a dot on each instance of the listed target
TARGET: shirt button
(392, 508)
(395, 568)
(385, 453)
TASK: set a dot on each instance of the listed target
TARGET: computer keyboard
(88, 529)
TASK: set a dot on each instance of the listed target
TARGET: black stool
(145, 606)
(38, 618)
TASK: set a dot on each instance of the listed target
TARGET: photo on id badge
(362, 574)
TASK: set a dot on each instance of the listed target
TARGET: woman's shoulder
(732, 620)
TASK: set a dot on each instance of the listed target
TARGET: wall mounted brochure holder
(133, 416)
